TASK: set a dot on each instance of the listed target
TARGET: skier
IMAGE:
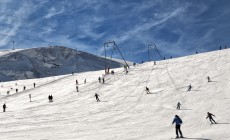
(4, 107)
(76, 82)
(177, 120)
(99, 79)
(85, 81)
(155, 63)
(34, 85)
(77, 88)
(209, 115)
(208, 79)
(97, 97)
(16, 90)
(189, 87)
(51, 98)
(147, 90)
(178, 105)
(103, 80)
(30, 97)
(24, 88)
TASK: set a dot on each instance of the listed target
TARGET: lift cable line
(156, 50)
(115, 47)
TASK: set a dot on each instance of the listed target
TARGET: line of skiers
(16, 90)
(101, 79)
(77, 81)
(50, 97)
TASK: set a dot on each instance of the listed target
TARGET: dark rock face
(49, 61)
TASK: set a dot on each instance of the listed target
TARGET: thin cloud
(146, 26)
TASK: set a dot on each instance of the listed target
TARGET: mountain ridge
(48, 61)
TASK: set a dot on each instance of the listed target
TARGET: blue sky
(177, 27)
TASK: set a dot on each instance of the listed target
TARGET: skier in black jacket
(209, 115)
(97, 97)
(4, 107)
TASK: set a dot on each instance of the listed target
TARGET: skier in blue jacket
(178, 122)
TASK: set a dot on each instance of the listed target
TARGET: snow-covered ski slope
(125, 112)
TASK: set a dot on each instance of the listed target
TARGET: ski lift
(111, 56)
(114, 48)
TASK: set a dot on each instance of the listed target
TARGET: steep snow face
(43, 62)
(125, 112)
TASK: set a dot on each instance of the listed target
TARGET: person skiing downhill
(189, 87)
(178, 105)
(77, 88)
(177, 120)
(30, 97)
(208, 79)
(103, 80)
(99, 79)
(4, 107)
(76, 82)
(147, 90)
(97, 97)
(209, 115)
(49, 98)
(34, 85)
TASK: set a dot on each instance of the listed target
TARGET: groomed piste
(125, 111)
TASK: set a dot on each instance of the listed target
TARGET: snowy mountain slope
(48, 61)
(125, 112)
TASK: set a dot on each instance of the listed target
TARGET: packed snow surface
(125, 112)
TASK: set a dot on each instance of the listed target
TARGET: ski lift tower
(106, 45)
(13, 44)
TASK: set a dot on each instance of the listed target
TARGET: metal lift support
(106, 44)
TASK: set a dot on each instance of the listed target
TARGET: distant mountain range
(49, 61)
